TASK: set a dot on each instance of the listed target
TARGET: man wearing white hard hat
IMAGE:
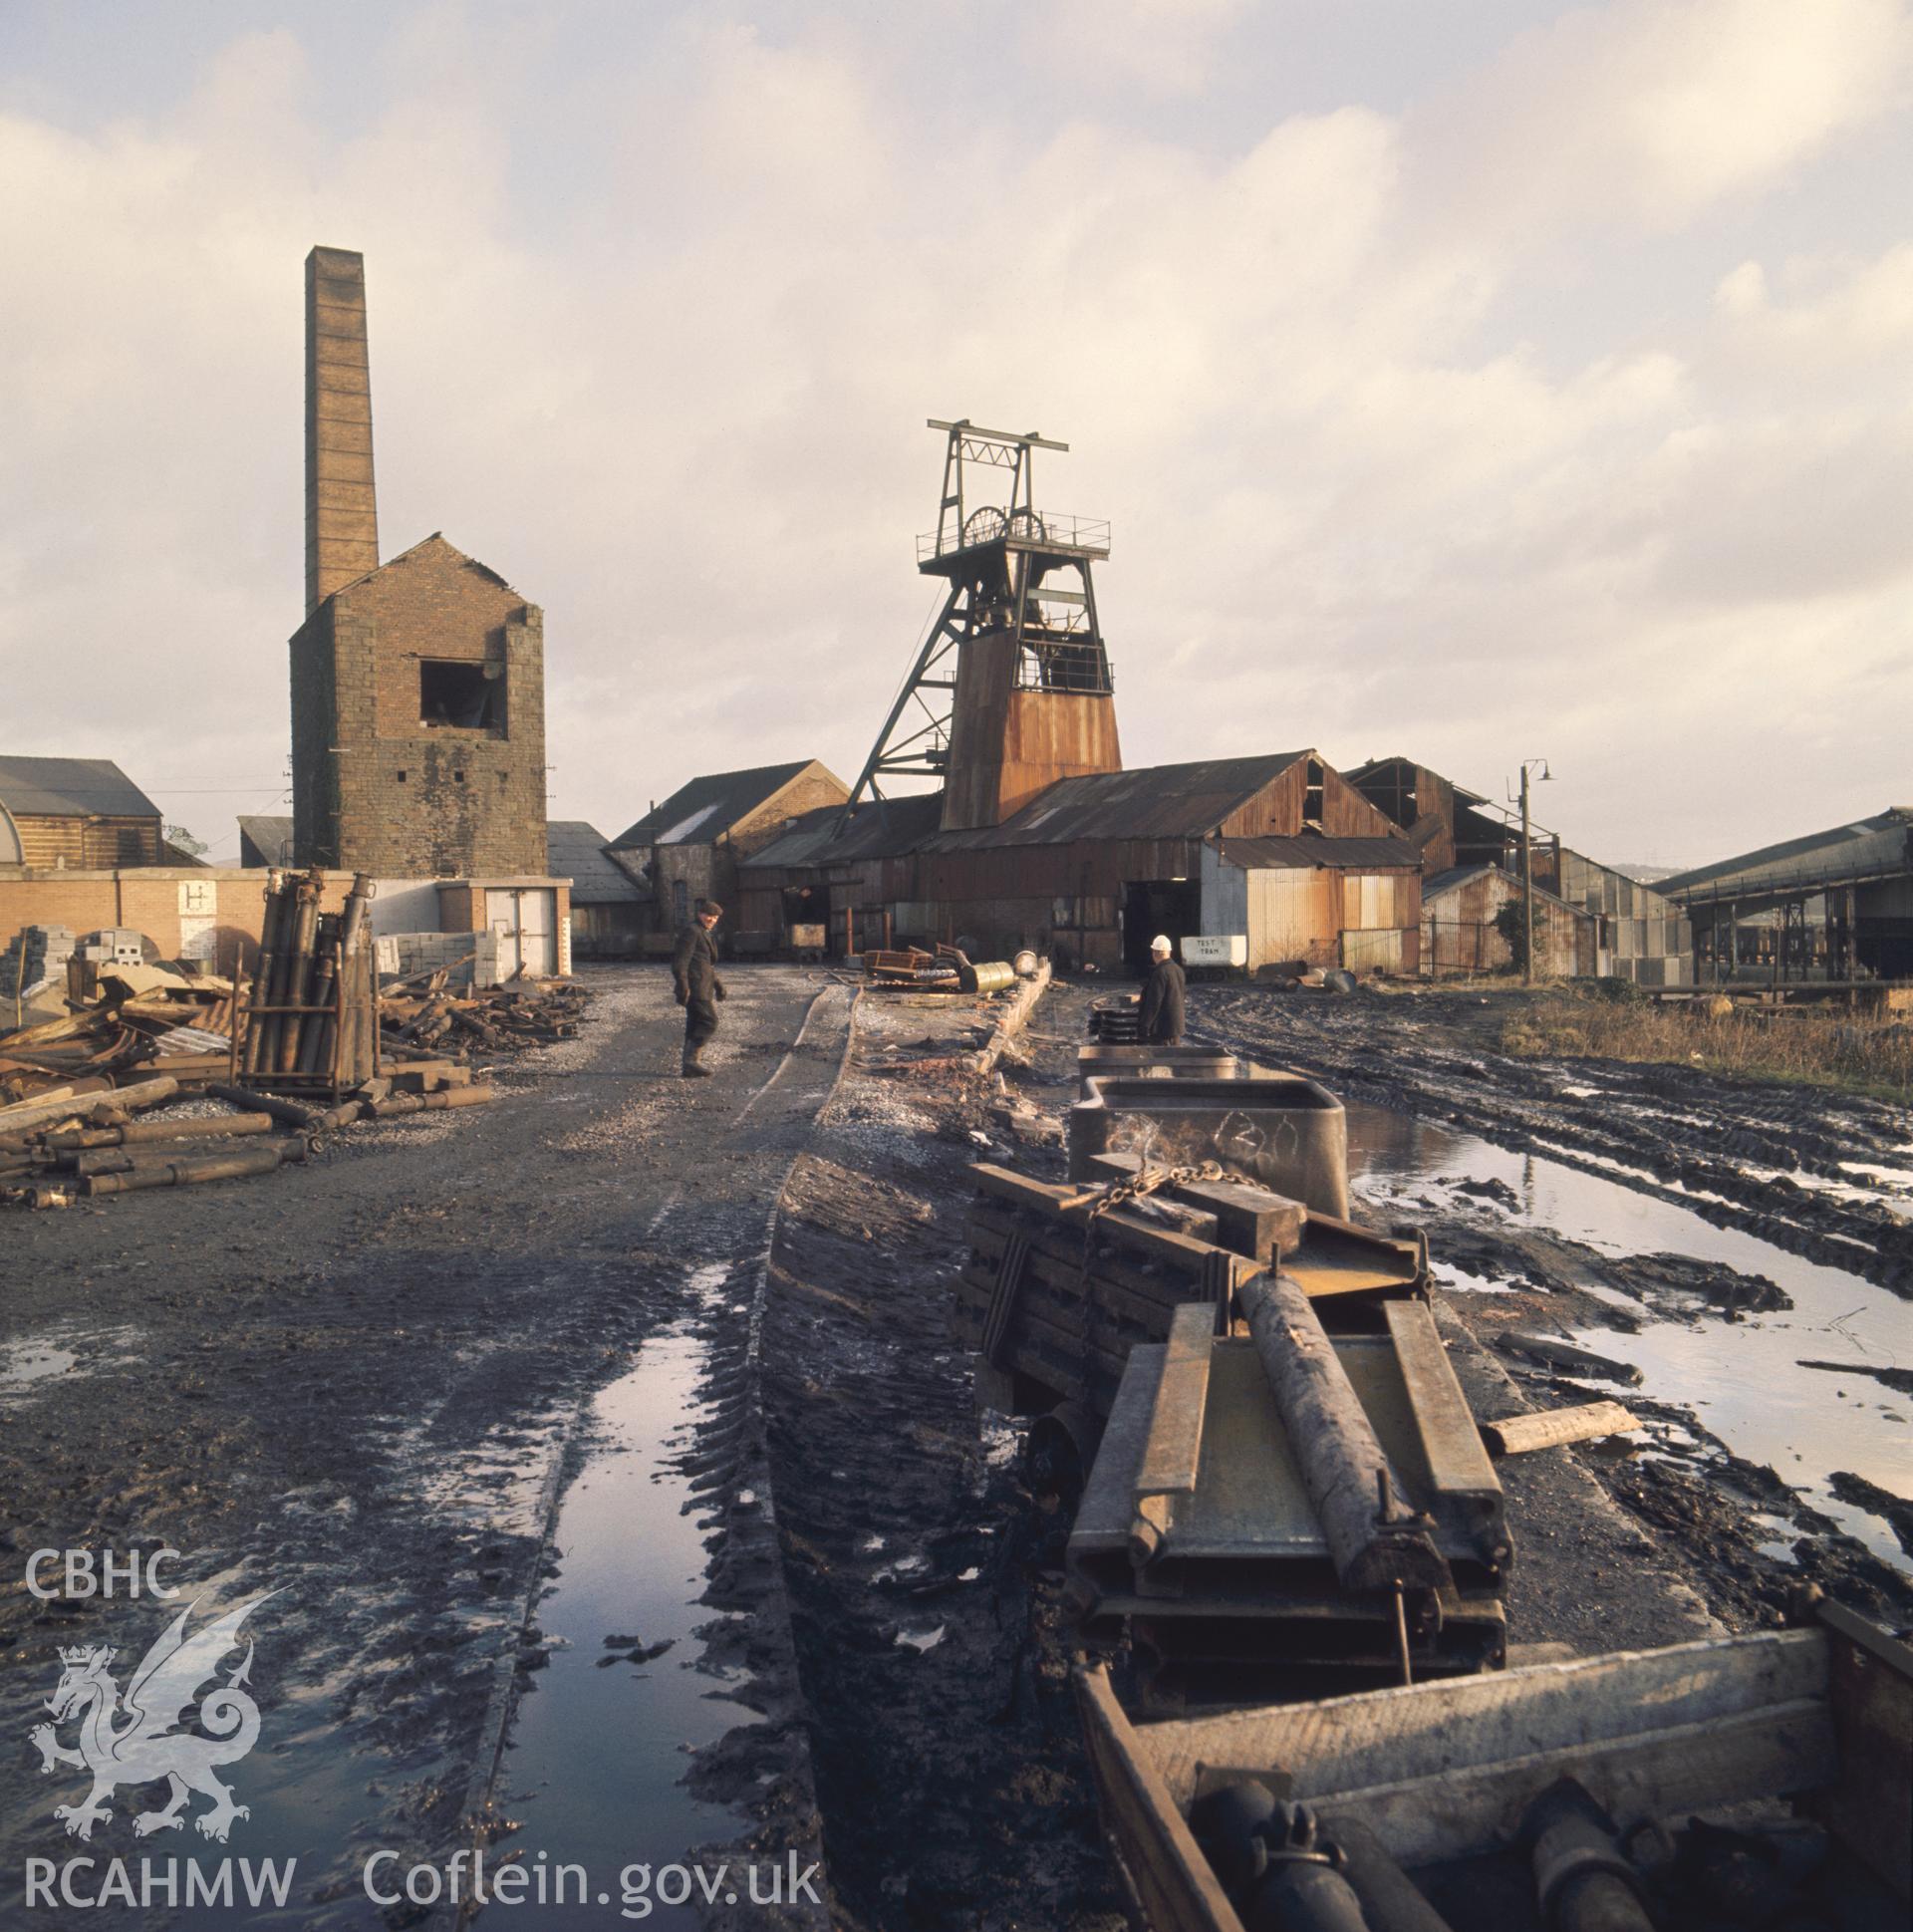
(1163, 997)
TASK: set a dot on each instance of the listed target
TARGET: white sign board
(1217, 950)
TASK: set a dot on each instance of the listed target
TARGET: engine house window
(460, 695)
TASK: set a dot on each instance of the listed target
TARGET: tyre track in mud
(1725, 1150)
(761, 1770)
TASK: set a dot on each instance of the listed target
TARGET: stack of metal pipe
(312, 964)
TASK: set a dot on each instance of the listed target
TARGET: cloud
(1645, 115)
(654, 335)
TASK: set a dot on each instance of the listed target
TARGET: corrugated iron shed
(885, 828)
(71, 788)
(575, 850)
(1880, 847)
(1181, 801)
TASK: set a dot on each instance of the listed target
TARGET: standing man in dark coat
(1163, 997)
(698, 988)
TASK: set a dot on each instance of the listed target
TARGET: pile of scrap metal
(65, 1146)
(947, 969)
(309, 1022)
(420, 1013)
(143, 1020)
(62, 1146)
(911, 969)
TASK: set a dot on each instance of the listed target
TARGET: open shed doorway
(1152, 906)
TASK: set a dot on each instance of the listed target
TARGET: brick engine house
(419, 684)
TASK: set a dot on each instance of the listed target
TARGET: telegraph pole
(1528, 889)
(1527, 871)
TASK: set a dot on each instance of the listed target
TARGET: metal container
(1276, 1130)
(1153, 1063)
(990, 976)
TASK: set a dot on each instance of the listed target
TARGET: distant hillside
(1648, 874)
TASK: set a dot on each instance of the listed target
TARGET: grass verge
(1790, 1044)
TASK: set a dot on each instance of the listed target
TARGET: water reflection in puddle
(598, 1750)
(1742, 1379)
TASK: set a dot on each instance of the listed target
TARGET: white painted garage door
(523, 919)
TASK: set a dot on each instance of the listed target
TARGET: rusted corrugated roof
(883, 828)
(710, 806)
(1187, 801)
(1280, 853)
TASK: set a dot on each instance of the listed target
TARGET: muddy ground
(363, 1383)
(924, 1580)
(1795, 1171)
(349, 1383)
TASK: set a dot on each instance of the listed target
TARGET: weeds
(1821, 1048)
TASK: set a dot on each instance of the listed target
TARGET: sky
(1473, 381)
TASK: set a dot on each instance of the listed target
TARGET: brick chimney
(342, 514)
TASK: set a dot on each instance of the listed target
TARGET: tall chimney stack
(342, 513)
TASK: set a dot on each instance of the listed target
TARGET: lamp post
(1527, 873)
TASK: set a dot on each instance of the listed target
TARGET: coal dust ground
(355, 1386)
(618, 1478)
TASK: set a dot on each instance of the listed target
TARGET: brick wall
(376, 787)
(149, 900)
(805, 793)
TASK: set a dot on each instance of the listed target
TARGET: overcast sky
(1462, 378)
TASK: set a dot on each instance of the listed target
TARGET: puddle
(65, 1349)
(22, 1363)
(1742, 1379)
(598, 1750)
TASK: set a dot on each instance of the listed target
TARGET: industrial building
(1637, 933)
(1279, 848)
(265, 839)
(687, 849)
(417, 735)
(419, 684)
(607, 907)
(1835, 904)
(76, 812)
(1463, 913)
(1036, 836)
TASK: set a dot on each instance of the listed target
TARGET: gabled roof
(1441, 883)
(575, 850)
(1185, 801)
(418, 552)
(883, 828)
(1875, 847)
(709, 806)
(1356, 773)
(71, 788)
(267, 835)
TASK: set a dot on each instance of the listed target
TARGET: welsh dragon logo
(150, 1744)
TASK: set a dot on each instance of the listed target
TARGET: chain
(1139, 1187)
